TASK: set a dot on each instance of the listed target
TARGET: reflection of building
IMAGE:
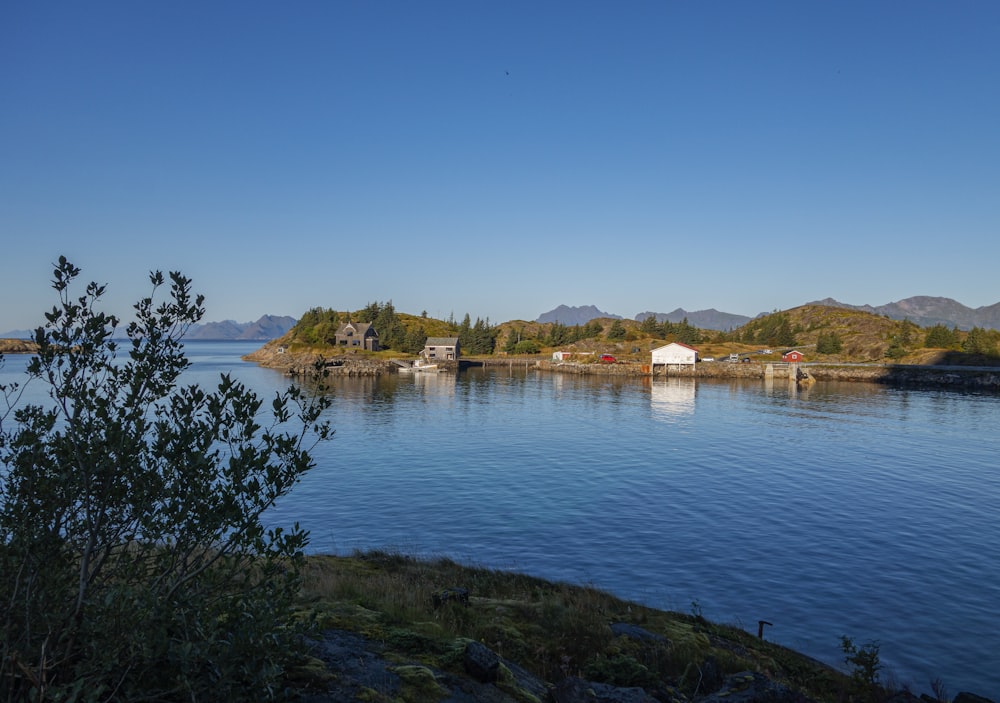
(441, 348)
(357, 335)
(436, 384)
(674, 355)
(672, 397)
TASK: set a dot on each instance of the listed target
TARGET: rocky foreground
(393, 628)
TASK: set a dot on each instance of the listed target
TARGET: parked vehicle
(608, 359)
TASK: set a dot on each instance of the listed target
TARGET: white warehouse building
(674, 354)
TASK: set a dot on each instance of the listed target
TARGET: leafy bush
(866, 665)
(527, 346)
(134, 564)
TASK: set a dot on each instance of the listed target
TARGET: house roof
(441, 342)
(676, 344)
(360, 328)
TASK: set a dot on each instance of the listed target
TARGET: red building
(794, 356)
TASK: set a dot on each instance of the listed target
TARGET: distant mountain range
(922, 310)
(574, 316)
(703, 319)
(710, 319)
(267, 327)
(927, 311)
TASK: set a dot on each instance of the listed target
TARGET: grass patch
(551, 629)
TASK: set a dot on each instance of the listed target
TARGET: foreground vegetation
(134, 563)
(554, 631)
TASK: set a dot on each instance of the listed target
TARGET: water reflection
(671, 398)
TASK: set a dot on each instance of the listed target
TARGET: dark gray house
(357, 335)
(441, 349)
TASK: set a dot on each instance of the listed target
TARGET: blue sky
(501, 159)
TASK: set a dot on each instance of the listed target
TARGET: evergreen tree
(940, 337)
(558, 335)
(978, 341)
(828, 343)
(370, 313)
(513, 338)
(479, 338)
(391, 331)
(686, 333)
(591, 329)
(616, 332)
(649, 326)
(415, 339)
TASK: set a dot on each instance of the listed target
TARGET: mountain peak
(574, 315)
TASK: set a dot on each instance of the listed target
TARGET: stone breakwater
(304, 363)
(978, 378)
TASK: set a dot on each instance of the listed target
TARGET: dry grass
(551, 629)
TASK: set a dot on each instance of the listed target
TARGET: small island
(805, 344)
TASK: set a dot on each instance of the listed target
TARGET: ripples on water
(846, 509)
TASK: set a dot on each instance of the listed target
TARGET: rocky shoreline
(305, 362)
(17, 346)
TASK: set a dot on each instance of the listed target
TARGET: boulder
(639, 634)
(486, 666)
(965, 697)
(753, 687)
(576, 690)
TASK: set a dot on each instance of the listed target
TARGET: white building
(674, 354)
(568, 355)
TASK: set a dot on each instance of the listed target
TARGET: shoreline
(955, 377)
(302, 363)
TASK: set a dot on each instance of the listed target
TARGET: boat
(419, 366)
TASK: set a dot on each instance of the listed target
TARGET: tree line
(405, 334)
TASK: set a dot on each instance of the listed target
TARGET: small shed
(674, 355)
(568, 355)
(793, 357)
(441, 348)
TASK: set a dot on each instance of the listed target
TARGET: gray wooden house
(357, 335)
(441, 349)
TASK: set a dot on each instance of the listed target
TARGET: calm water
(847, 509)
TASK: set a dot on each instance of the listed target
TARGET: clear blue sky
(501, 159)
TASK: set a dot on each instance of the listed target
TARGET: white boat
(419, 366)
